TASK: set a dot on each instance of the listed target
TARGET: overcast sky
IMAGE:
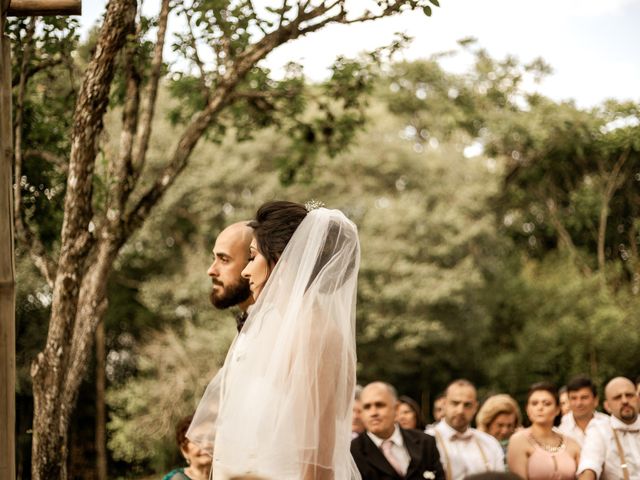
(592, 45)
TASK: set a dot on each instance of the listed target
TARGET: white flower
(429, 475)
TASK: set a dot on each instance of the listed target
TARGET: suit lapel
(376, 458)
(412, 444)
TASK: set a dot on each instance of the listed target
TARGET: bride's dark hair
(274, 226)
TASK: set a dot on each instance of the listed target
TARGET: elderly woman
(198, 461)
(499, 416)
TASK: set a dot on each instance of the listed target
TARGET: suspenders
(447, 460)
(623, 462)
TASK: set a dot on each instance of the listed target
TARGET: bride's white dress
(281, 405)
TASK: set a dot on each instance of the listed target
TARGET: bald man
(612, 449)
(230, 256)
(387, 452)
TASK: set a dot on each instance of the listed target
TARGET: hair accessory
(313, 204)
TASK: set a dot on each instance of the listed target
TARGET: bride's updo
(274, 226)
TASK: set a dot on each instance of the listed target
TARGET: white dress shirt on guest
(399, 450)
(467, 453)
(600, 449)
(569, 427)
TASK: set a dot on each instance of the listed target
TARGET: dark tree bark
(50, 371)
(101, 411)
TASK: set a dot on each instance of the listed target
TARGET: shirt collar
(396, 437)
(620, 425)
(451, 433)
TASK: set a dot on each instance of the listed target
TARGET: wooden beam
(7, 271)
(29, 8)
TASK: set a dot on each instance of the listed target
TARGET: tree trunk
(101, 414)
(52, 371)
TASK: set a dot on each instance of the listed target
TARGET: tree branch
(43, 65)
(613, 182)
(19, 115)
(61, 163)
(32, 242)
(120, 166)
(564, 235)
(199, 63)
(148, 101)
(221, 97)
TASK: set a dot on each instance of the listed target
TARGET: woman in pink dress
(540, 452)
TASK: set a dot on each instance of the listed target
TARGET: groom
(230, 256)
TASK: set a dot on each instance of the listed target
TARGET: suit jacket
(421, 447)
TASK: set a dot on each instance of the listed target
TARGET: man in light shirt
(464, 450)
(385, 451)
(612, 449)
(583, 400)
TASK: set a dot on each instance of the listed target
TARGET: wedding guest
(464, 450)
(540, 452)
(583, 400)
(563, 395)
(387, 451)
(499, 416)
(198, 460)
(612, 449)
(408, 415)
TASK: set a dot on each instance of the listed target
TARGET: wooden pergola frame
(7, 261)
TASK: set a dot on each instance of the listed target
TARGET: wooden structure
(7, 263)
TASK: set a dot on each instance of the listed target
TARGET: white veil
(281, 405)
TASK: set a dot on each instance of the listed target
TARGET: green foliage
(572, 326)
(173, 368)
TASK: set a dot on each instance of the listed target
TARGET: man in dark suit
(385, 451)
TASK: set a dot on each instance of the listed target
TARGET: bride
(280, 407)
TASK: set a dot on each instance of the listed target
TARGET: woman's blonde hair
(497, 405)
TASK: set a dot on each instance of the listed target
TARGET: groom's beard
(231, 294)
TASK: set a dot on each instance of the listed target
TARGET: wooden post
(7, 267)
(30, 8)
(7, 262)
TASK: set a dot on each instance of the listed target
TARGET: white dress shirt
(398, 448)
(600, 449)
(467, 453)
(569, 427)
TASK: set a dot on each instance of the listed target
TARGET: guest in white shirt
(583, 401)
(612, 449)
(464, 450)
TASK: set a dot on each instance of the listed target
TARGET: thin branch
(199, 63)
(148, 101)
(61, 163)
(563, 234)
(613, 182)
(43, 65)
(32, 242)
(282, 14)
(19, 113)
(120, 166)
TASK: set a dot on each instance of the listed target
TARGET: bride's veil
(281, 405)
